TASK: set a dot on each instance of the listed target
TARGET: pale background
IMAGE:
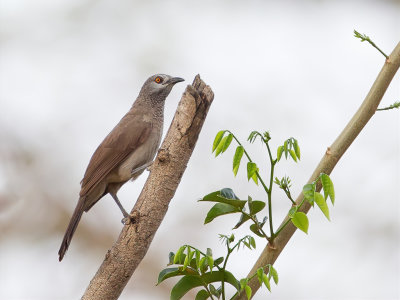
(69, 70)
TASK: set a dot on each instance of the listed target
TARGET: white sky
(69, 70)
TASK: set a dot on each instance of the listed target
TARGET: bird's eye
(158, 79)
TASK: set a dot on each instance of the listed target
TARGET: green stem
(376, 47)
(208, 291)
(250, 160)
(288, 220)
(230, 250)
(364, 37)
(223, 268)
(269, 191)
(394, 105)
(283, 226)
(258, 227)
(289, 196)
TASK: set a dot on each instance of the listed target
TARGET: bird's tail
(71, 228)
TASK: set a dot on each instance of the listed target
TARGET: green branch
(364, 37)
(394, 105)
(269, 191)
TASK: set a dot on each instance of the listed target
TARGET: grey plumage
(126, 151)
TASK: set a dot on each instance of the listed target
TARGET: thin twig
(364, 37)
(394, 105)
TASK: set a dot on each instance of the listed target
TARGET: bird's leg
(148, 164)
(127, 217)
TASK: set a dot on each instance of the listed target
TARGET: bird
(125, 152)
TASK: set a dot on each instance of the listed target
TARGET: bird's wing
(115, 148)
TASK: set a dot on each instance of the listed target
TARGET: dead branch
(152, 205)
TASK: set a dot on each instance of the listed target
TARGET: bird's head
(158, 86)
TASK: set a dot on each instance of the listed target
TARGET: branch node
(163, 156)
(328, 151)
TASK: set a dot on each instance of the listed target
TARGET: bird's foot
(150, 165)
(141, 168)
(131, 218)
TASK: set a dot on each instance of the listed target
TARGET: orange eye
(158, 79)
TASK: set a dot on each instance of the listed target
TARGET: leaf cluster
(199, 269)
(300, 219)
(227, 203)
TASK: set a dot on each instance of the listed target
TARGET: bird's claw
(148, 168)
(127, 220)
(130, 219)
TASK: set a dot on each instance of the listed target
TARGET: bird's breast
(139, 157)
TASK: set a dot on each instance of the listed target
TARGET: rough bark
(331, 157)
(166, 172)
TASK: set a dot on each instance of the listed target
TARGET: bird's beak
(173, 80)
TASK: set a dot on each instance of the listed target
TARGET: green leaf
(260, 272)
(186, 262)
(252, 242)
(267, 136)
(209, 252)
(184, 285)
(327, 185)
(221, 145)
(263, 221)
(226, 196)
(210, 262)
(308, 192)
(285, 148)
(274, 274)
(248, 291)
(190, 253)
(220, 209)
(231, 238)
(246, 244)
(171, 257)
(296, 149)
(192, 263)
(227, 142)
(251, 169)
(292, 210)
(320, 200)
(178, 255)
(189, 282)
(254, 229)
(255, 178)
(253, 135)
(279, 153)
(243, 283)
(293, 155)
(197, 259)
(300, 220)
(266, 281)
(188, 258)
(213, 290)
(202, 265)
(202, 295)
(256, 207)
(243, 219)
(218, 261)
(237, 158)
(218, 139)
(172, 272)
